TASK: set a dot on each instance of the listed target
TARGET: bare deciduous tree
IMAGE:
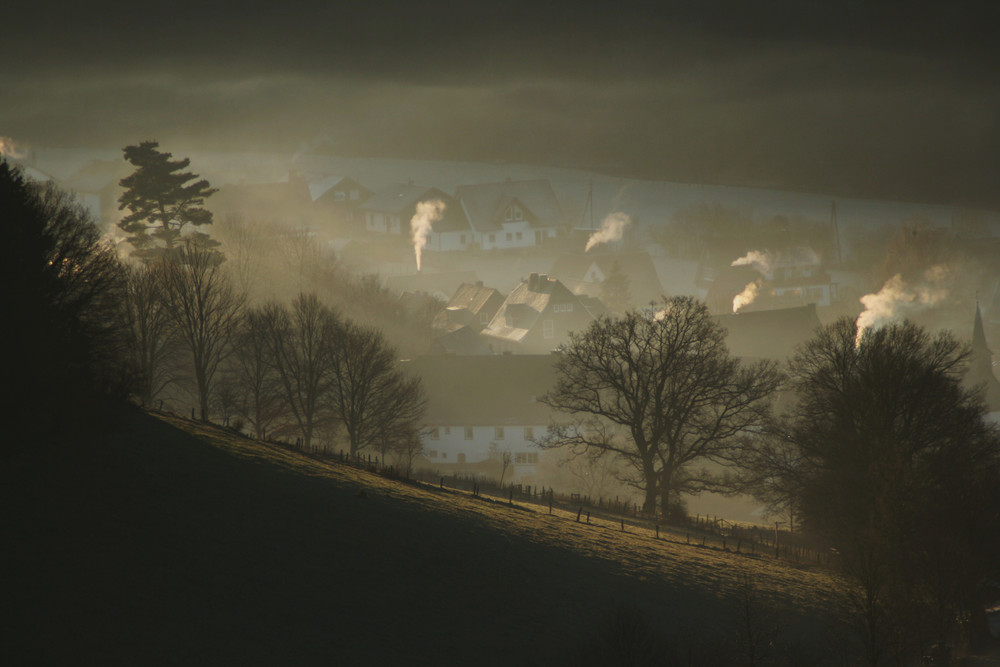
(253, 375)
(301, 344)
(659, 389)
(205, 308)
(372, 397)
(150, 330)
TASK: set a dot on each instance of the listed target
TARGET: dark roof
(484, 204)
(435, 284)
(462, 340)
(575, 271)
(398, 197)
(485, 390)
(769, 334)
(323, 185)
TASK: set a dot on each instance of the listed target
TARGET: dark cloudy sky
(898, 100)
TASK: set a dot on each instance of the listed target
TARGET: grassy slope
(173, 542)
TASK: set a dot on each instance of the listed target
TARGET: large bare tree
(301, 343)
(253, 375)
(150, 330)
(658, 388)
(205, 308)
(372, 397)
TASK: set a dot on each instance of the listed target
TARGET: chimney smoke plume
(611, 229)
(898, 300)
(428, 212)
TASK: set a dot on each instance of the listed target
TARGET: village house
(512, 214)
(390, 211)
(482, 407)
(536, 317)
(472, 305)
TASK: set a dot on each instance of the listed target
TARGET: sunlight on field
(633, 552)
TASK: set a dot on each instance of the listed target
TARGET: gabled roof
(524, 304)
(320, 186)
(472, 297)
(399, 197)
(439, 285)
(769, 334)
(486, 390)
(484, 204)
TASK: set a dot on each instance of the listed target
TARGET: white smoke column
(428, 212)
(762, 260)
(896, 299)
(611, 229)
(747, 296)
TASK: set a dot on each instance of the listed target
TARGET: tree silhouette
(301, 344)
(372, 397)
(659, 390)
(162, 201)
(205, 309)
(889, 461)
(59, 289)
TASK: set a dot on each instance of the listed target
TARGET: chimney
(533, 282)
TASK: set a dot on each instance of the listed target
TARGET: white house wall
(511, 235)
(447, 444)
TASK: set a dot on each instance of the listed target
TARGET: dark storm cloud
(871, 98)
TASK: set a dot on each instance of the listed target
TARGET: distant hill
(174, 542)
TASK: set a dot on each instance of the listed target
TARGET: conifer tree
(162, 200)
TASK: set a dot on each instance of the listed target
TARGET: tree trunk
(665, 488)
(649, 502)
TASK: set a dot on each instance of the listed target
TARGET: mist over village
(595, 337)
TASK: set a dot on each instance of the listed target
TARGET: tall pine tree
(162, 200)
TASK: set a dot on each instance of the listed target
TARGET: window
(518, 236)
(548, 329)
(498, 432)
(562, 308)
(468, 433)
(339, 196)
(447, 430)
(432, 454)
(444, 455)
(532, 457)
(435, 433)
(520, 457)
(518, 215)
(461, 457)
(529, 433)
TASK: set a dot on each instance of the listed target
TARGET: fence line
(752, 540)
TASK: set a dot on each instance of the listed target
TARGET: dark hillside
(157, 546)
